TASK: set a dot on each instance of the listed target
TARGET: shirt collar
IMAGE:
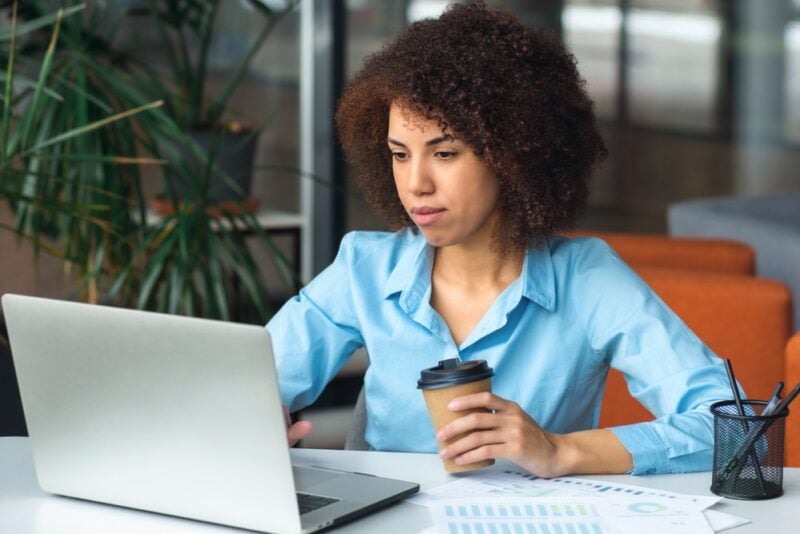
(539, 281)
(411, 275)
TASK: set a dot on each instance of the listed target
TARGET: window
(591, 31)
(792, 84)
(672, 67)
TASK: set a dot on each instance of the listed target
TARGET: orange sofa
(696, 254)
(793, 421)
(709, 285)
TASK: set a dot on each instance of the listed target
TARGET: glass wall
(591, 30)
(792, 64)
(672, 64)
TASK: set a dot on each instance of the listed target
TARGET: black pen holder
(748, 451)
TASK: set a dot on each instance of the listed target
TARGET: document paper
(586, 515)
(616, 507)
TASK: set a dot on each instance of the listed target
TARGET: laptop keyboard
(309, 503)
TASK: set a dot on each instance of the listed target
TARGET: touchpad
(306, 477)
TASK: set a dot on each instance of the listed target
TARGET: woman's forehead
(403, 117)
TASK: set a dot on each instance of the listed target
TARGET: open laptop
(170, 414)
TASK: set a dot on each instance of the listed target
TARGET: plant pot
(235, 155)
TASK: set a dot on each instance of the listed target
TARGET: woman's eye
(399, 156)
(444, 154)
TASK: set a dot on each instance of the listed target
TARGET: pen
(749, 450)
(787, 400)
(735, 390)
(773, 400)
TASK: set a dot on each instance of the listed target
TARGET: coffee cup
(441, 384)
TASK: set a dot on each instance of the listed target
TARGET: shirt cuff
(645, 447)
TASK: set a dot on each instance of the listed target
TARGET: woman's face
(447, 191)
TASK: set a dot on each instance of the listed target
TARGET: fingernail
(459, 460)
(453, 405)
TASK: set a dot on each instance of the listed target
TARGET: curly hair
(511, 93)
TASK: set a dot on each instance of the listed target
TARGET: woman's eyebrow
(429, 142)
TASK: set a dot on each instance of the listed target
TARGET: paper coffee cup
(441, 384)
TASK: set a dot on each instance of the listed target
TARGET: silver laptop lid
(154, 411)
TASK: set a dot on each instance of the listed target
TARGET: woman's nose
(419, 178)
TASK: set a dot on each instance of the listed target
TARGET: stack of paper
(516, 502)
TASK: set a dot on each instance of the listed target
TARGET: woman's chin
(434, 239)
(437, 239)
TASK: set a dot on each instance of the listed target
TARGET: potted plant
(75, 184)
(207, 186)
(218, 165)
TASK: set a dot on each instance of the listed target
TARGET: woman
(473, 136)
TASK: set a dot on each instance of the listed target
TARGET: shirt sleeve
(315, 332)
(666, 366)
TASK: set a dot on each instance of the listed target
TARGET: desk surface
(25, 509)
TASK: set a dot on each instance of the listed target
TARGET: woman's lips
(425, 216)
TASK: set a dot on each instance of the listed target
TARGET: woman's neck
(476, 266)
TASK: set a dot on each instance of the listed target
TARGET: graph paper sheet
(618, 515)
(519, 484)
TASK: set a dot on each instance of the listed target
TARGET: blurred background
(695, 99)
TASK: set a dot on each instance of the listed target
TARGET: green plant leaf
(156, 264)
(28, 121)
(41, 22)
(93, 126)
(5, 122)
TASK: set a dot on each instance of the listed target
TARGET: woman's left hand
(505, 431)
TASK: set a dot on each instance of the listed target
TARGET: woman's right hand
(296, 432)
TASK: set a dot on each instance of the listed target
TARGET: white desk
(25, 509)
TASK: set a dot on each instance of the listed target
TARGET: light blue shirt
(551, 336)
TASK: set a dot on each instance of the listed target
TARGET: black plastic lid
(452, 372)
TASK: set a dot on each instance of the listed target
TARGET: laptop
(169, 414)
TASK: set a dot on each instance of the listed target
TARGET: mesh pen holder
(748, 451)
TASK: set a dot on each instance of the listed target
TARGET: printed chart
(496, 502)
(575, 516)
(502, 518)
